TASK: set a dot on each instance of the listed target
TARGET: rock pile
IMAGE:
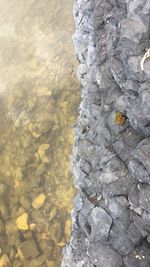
(111, 157)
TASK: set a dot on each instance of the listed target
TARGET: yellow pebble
(38, 201)
(22, 222)
(32, 226)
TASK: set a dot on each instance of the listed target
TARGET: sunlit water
(39, 95)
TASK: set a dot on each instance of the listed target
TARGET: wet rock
(22, 222)
(12, 253)
(41, 152)
(38, 218)
(4, 210)
(67, 230)
(25, 202)
(1, 227)
(4, 261)
(10, 227)
(100, 223)
(53, 213)
(14, 239)
(17, 263)
(28, 249)
(40, 169)
(27, 235)
(37, 262)
(38, 201)
(46, 246)
(3, 189)
(55, 232)
(51, 263)
(34, 182)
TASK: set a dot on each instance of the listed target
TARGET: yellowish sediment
(39, 96)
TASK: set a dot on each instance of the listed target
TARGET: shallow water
(39, 95)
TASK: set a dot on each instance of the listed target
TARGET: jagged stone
(101, 255)
(144, 197)
(100, 223)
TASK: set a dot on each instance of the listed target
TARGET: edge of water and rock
(111, 154)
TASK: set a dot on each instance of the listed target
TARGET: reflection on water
(38, 99)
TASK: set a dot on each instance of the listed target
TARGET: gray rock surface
(111, 155)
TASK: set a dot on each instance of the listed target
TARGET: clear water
(39, 95)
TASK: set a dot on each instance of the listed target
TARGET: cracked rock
(102, 255)
(100, 223)
(111, 160)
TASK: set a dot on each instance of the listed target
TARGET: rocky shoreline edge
(111, 154)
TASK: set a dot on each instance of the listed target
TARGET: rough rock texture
(111, 160)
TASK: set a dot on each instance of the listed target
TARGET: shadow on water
(39, 96)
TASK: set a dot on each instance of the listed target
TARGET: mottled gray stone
(133, 234)
(85, 166)
(139, 165)
(144, 198)
(119, 187)
(100, 223)
(112, 171)
(82, 217)
(118, 207)
(120, 240)
(134, 197)
(102, 255)
(139, 257)
(140, 225)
